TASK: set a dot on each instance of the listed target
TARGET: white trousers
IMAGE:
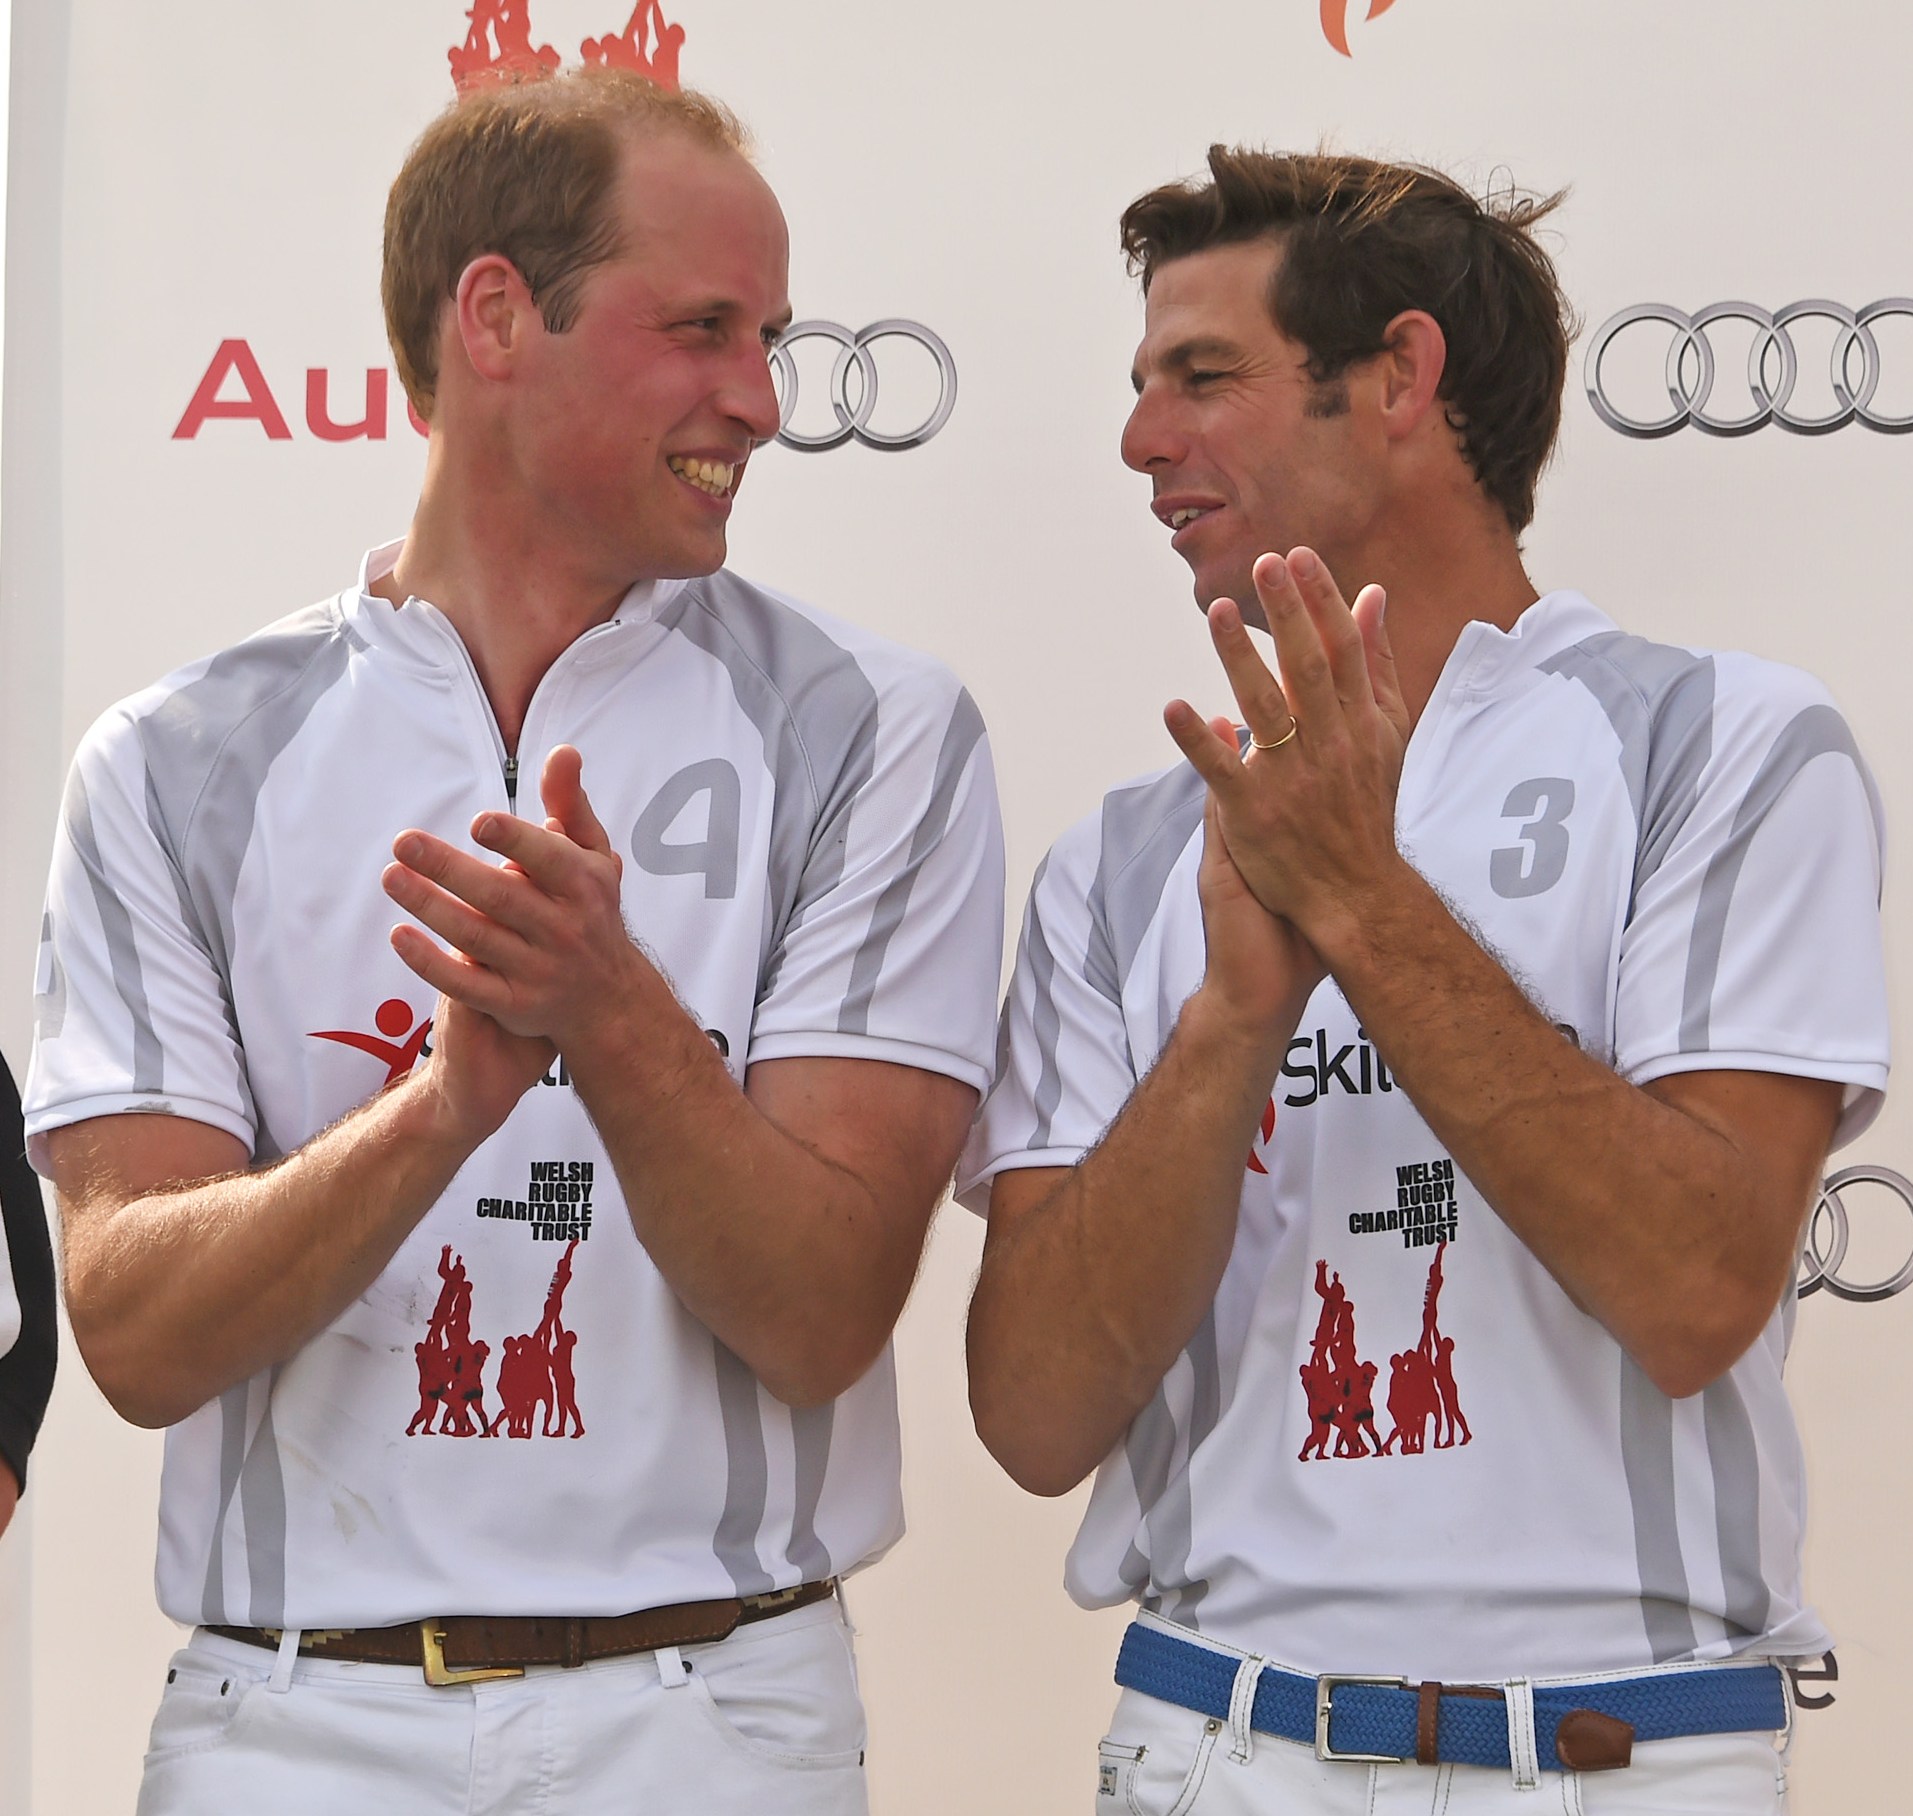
(1161, 1760)
(767, 1720)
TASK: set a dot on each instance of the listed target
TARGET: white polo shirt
(1677, 856)
(812, 853)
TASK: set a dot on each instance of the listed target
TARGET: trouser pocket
(1161, 1777)
(1116, 1765)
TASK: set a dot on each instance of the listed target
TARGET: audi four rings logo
(1773, 369)
(854, 401)
(1830, 1232)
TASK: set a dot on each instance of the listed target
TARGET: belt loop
(673, 1672)
(1242, 1709)
(1523, 1755)
(1428, 1723)
(281, 1679)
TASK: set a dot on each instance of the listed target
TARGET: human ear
(1414, 356)
(491, 307)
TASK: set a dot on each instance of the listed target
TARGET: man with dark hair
(1488, 1001)
(669, 1194)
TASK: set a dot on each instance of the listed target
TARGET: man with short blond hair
(518, 1299)
(1434, 1074)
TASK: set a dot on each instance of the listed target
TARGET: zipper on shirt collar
(511, 782)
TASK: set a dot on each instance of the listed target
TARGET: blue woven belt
(1352, 1717)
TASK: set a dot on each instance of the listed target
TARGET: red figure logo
(536, 1372)
(400, 1049)
(498, 47)
(1335, 20)
(1340, 1388)
(451, 1367)
(535, 1375)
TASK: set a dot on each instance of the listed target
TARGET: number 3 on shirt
(1535, 865)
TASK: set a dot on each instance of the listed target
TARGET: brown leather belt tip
(1585, 1741)
(465, 1648)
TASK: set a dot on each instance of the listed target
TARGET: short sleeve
(895, 943)
(1755, 943)
(131, 1011)
(1065, 1064)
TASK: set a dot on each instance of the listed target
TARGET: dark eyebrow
(726, 307)
(1202, 349)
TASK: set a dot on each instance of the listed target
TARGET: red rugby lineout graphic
(1335, 20)
(451, 1367)
(536, 1373)
(1340, 1387)
(498, 47)
(400, 1049)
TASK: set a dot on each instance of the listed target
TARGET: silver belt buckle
(1325, 1688)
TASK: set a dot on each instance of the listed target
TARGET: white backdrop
(208, 171)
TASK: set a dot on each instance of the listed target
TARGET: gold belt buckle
(432, 1644)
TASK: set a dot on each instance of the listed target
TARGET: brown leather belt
(465, 1648)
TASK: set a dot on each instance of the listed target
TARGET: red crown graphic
(499, 48)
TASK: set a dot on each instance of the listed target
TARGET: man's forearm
(796, 1263)
(175, 1294)
(1640, 1211)
(1086, 1298)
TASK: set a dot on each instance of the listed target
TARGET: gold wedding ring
(1256, 743)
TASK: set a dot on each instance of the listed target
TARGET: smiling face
(1245, 452)
(631, 429)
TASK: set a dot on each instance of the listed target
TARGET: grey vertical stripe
(816, 712)
(960, 739)
(262, 1504)
(748, 1475)
(189, 919)
(209, 748)
(1145, 829)
(1735, 1459)
(116, 925)
(232, 1457)
(1046, 1022)
(1173, 1532)
(810, 1440)
(1815, 731)
(1150, 1448)
(50, 1010)
(210, 745)
(1647, 1459)
(1660, 701)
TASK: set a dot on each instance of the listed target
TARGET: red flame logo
(499, 48)
(1335, 20)
(1268, 1115)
